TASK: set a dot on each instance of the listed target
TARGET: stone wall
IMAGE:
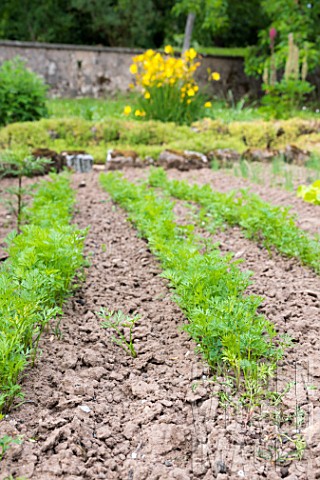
(73, 70)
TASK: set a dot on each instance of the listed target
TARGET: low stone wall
(77, 71)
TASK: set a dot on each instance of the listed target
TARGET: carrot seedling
(118, 321)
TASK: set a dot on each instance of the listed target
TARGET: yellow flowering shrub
(168, 89)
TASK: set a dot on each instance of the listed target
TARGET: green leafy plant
(118, 321)
(22, 93)
(283, 98)
(310, 193)
(19, 164)
(5, 442)
(11, 477)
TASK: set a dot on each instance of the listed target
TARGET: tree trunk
(188, 31)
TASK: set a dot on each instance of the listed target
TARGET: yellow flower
(147, 95)
(190, 54)
(168, 50)
(133, 69)
(189, 101)
(215, 76)
(153, 69)
(127, 110)
(131, 86)
(140, 113)
(208, 105)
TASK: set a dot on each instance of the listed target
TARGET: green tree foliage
(300, 17)
(131, 23)
(127, 23)
(38, 20)
(217, 21)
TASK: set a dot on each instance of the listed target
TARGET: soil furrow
(91, 411)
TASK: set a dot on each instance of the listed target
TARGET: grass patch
(224, 51)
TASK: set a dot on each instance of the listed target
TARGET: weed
(288, 183)
(194, 386)
(11, 477)
(5, 443)
(20, 164)
(118, 321)
(244, 168)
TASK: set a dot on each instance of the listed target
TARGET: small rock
(220, 467)
(129, 430)
(258, 155)
(165, 437)
(118, 159)
(103, 432)
(226, 157)
(284, 471)
(182, 160)
(180, 474)
(312, 434)
(85, 408)
(209, 407)
(294, 155)
(141, 389)
(51, 441)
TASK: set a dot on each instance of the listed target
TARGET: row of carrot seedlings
(36, 279)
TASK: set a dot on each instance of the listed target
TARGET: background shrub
(22, 93)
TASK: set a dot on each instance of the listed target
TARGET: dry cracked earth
(92, 412)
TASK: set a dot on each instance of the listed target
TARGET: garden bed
(308, 215)
(93, 412)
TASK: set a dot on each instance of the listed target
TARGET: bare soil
(92, 412)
